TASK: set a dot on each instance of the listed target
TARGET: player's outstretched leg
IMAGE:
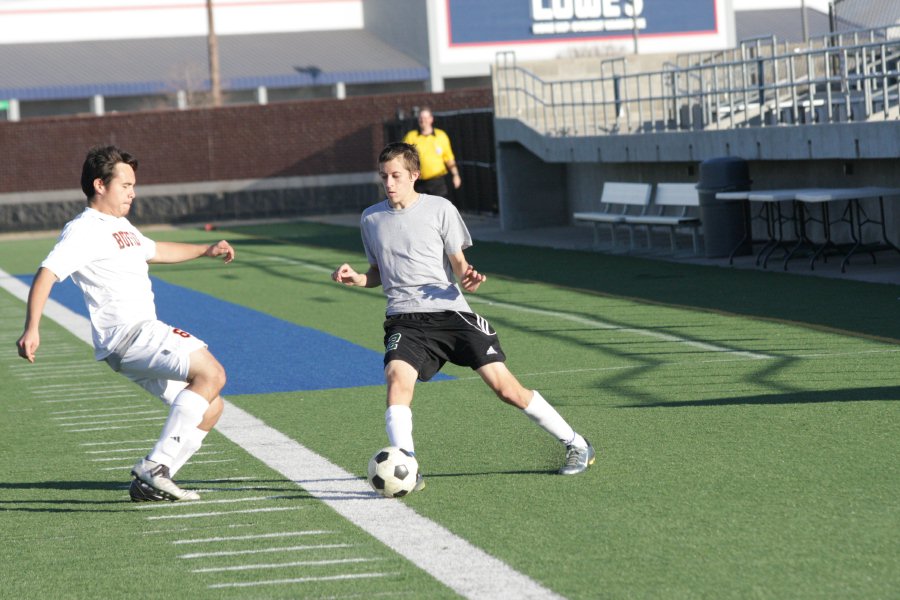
(579, 453)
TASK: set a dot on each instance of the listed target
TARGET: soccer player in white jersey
(106, 257)
(414, 243)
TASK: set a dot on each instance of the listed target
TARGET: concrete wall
(839, 155)
(532, 192)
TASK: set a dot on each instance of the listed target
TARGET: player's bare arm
(37, 298)
(348, 276)
(175, 252)
(469, 278)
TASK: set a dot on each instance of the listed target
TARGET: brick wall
(313, 137)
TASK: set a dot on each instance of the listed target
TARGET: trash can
(726, 223)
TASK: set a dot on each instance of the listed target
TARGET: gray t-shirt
(410, 246)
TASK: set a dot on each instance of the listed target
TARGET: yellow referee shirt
(434, 152)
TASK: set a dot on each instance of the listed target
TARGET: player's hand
(221, 248)
(28, 345)
(471, 279)
(346, 275)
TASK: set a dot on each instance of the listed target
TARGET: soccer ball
(393, 472)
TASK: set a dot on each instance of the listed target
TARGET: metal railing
(758, 84)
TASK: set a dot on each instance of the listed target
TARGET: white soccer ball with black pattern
(393, 472)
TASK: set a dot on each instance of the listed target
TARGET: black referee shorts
(430, 339)
(436, 186)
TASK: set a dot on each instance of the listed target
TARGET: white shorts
(158, 359)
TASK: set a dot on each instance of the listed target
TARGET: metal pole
(805, 22)
(634, 26)
(213, 45)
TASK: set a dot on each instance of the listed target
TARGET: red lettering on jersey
(126, 239)
(180, 332)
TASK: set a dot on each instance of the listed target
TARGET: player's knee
(214, 378)
(219, 376)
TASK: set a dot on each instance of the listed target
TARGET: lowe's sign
(475, 22)
(578, 16)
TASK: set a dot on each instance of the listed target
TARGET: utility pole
(213, 45)
(634, 25)
(805, 23)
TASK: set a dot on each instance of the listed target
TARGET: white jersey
(107, 258)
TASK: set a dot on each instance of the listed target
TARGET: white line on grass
(78, 390)
(296, 563)
(455, 562)
(161, 418)
(75, 410)
(263, 550)
(162, 505)
(209, 462)
(258, 536)
(99, 398)
(47, 389)
(142, 449)
(113, 458)
(464, 568)
(104, 415)
(80, 393)
(225, 513)
(114, 443)
(57, 366)
(44, 376)
(243, 584)
(666, 337)
(69, 319)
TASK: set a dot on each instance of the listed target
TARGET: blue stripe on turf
(261, 353)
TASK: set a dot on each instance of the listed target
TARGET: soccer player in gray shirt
(414, 243)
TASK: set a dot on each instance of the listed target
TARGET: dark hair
(402, 150)
(100, 163)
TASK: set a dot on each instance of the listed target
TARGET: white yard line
(467, 570)
(295, 563)
(257, 536)
(244, 584)
(596, 323)
(226, 513)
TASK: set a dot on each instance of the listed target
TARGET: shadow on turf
(867, 394)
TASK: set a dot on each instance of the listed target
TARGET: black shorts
(428, 340)
(437, 186)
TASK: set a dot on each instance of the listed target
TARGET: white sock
(184, 416)
(399, 426)
(189, 446)
(546, 417)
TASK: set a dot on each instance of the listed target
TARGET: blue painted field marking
(261, 353)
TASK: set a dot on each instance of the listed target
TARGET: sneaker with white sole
(420, 483)
(578, 459)
(156, 475)
(141, 492)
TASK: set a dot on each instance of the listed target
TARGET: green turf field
(747, 426)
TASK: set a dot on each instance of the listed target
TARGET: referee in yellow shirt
(435, 156)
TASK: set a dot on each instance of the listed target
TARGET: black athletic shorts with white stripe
(430, 339)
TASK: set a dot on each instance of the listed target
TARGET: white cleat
(156, 475)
